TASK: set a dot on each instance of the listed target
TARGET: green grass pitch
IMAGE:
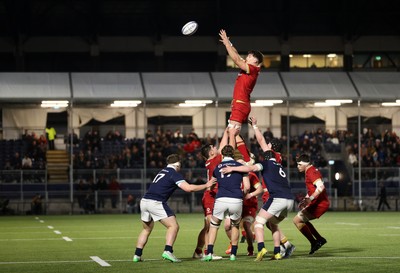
(357, 242)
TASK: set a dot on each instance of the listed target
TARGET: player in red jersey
(213, 157)
(245, 82)
(314, 205)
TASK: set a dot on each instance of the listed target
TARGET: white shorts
(154, 210)
(279, 207)
(232, 207)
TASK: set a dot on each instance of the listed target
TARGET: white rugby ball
(189, 28)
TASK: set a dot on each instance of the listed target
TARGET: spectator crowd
(113, 151)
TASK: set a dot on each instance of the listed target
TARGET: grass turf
(357, 242)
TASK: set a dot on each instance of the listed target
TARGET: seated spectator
(131, 204)
(16, 162)
(26, 162)
(4, 209)
(36, 204)
(353, 160)
(268, 135)
(80, 192)
(114, 188)
(118, 136)
(88, 202)
(75, 139)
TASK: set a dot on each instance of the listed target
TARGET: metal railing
(19, 186)
(371, 178)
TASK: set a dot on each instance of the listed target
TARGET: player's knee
(248, 219)
(298, 222)
(214, 224)
(260, 222)
(235, 223)
(274, 221)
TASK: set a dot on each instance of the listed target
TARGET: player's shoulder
(253, 69)
(313, 171)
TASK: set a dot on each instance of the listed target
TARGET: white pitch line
(348, 224)
(60, 262)
(47, 262)
(41, 221)
(57, 232)
(67, 239)
(393, 227)
(50, 227)
(55, 239)
(99, 261)
(20, 240)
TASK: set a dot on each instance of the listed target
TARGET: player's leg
(249, 215)
(234, 124)
(228, 227)
(228, 231)
(216, 219)
(315, 212)
(239, 114)
(276, 236)
(172, 231)
(212, 237)
(300, 221)
(287, 247)
(144, 234)
(320, 240)
(142, 239)
(202, 239)
(261, 218)
(235, 232)
(247, 223)
(241, 146)
(235, 214)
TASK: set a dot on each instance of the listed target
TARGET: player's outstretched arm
(257, 192)
(241, 169)
(232, 51)
(224, 140)
(260, 138)
(246, 185)
(190, 187)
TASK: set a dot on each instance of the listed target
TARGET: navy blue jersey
(229, 185)
(275, 179)
(164, 184)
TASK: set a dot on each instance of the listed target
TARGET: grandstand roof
(156, 87)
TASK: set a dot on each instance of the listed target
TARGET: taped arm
(319, 187)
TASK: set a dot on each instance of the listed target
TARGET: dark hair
(173, 158)
(276, 145)
(303, 157)
(269, 154)
(205, 151)
(228, 151)
(237, 155)
(258, 55)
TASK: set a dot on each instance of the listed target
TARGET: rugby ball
(189, 28)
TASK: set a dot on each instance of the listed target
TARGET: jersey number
(158, 177)
(282, 173)
(223, 175)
